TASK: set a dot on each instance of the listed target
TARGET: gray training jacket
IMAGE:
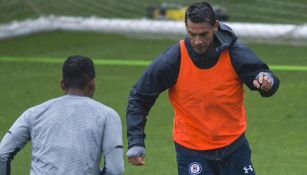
(69, 134)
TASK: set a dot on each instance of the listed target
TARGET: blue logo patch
(195, 168)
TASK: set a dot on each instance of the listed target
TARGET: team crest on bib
(195, 168)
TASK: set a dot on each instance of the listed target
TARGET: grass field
(276, 126)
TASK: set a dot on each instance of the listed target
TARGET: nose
(197, 41)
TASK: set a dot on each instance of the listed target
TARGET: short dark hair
(78, 71)
(200, 12)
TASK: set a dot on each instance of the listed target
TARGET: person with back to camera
(69, 133)
(204, 75)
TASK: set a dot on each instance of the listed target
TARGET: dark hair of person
(200, 12)
(78, 71)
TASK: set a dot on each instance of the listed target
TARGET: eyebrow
(205, 32)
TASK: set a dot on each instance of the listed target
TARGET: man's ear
(216, 26)
(92, 84)
(91, 88)
(63, 86)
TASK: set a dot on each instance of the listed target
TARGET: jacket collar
(225, 37)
